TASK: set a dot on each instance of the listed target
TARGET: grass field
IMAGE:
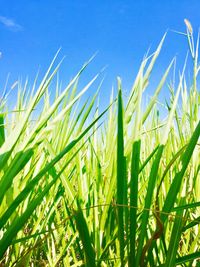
(117, 188)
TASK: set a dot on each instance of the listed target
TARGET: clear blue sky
(121, 31)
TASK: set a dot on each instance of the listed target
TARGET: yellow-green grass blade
(135, 135)
(154, 58)
(69, 105)
(17, 165)
(148, 202)
(173, 109)
(70, 193)
(66, 128)
(170, 164)
(19, 222)
(37, 178)
(154, 98)
(176, 183)
(129, 107)
(53, 108)
(135, 97)
(13, 138)
(91, 176)
(88, 111)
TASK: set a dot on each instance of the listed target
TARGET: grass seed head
(188, 25)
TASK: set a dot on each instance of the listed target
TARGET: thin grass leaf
(175, 186)
(134, 200)
(190, 257)
(19, 222)
(2, 130)
(85, 238)
(37, 178)
(17, 165)
(120, 173)
(148, 203)
(174, 240)
(191, 224)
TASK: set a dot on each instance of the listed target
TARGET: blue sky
(121, 31)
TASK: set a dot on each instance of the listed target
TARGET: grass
(117, 188)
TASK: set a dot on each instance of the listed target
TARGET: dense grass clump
(117, 188)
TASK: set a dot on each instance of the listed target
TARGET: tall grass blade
(134, 200)
(120, 174)
(85, 238)
(174, 240)
(175, 186)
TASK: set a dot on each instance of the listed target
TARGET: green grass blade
(148, 202)
(37, 178)
(187, 206)
(85, 238)
(154, 98)
(148, 158)
(191, 224)
(18, 163)
(174, 240)
(2, 130)
(120, 174)
(175, 186)
(189, 257)
(134, 200)
(11, 141)
(19, 222)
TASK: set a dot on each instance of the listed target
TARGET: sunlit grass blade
(148, 203)
(37, 178)
(80, 189)
(21, 220)
(18, 163)
(11, 141)
(154, 98)
(175, 186)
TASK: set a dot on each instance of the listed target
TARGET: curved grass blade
(11, 141)
(175, 186)
(29, 187)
